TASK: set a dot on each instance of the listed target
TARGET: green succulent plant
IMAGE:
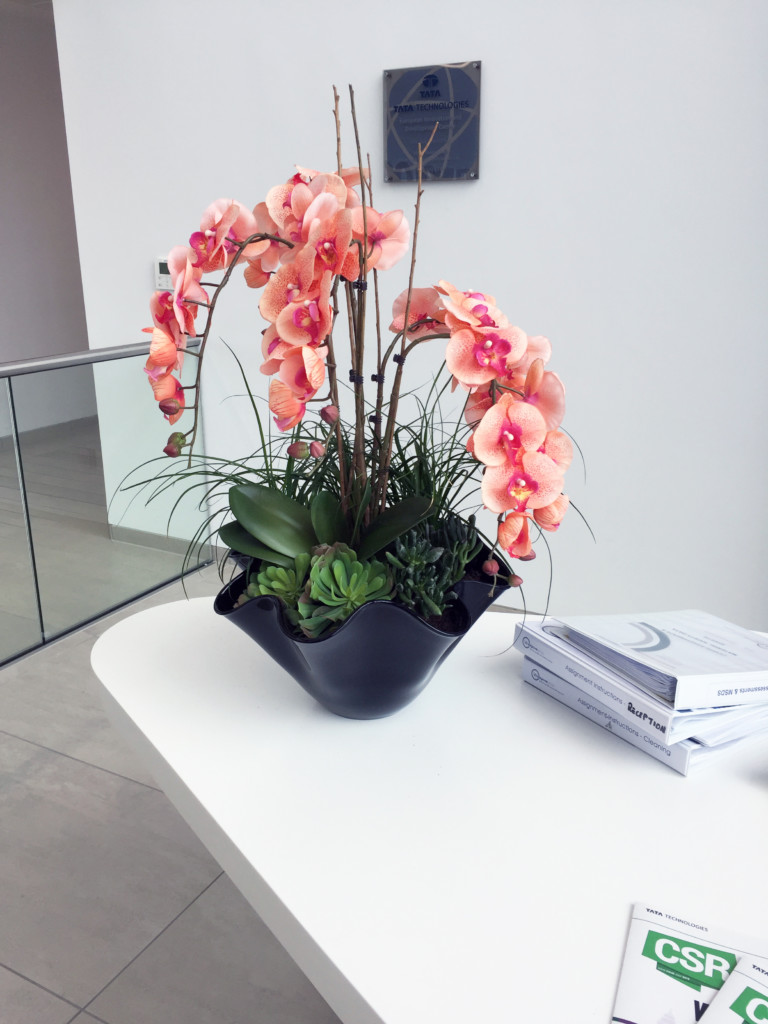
(428, 560)
(420, 583)
(338, 584)
(460, 542)
(277, 581)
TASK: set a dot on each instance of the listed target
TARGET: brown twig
(394, 397)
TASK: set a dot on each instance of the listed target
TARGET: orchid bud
(176, 442)
(317, 450)
(329, 414)
(298, 450)
(491, 567)
(515, 580)
(169, 406)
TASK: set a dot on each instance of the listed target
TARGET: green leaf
(393, 522)
(238, 538)
(328, 519)
(273, 518)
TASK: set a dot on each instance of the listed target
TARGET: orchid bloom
(224, 224)
(531, 481)
(478, 356)
(470, 309)
(388, 235)
(425, 305)
(164, 355)
(540, 388)
(300, 323)
(166, 387)
(550, 517)
(514, 535)
(329, 240)
(507, 427)
(288, 409)
(303, 370)
(186, 282)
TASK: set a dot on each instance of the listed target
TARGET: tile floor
(112, 910)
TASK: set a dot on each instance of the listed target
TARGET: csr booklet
(674, 967)
(743, 999)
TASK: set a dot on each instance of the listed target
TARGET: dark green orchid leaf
(237, 537)
(392, 523)
(328, 520)
(273, 518)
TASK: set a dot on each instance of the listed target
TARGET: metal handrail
(93, 355)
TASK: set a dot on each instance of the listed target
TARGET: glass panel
(19, 614)
(82, 429)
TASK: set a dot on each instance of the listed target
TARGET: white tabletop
(472, 858)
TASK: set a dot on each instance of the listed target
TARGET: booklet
(743, 999)
(681, 757)
(545, 643)
(690, 658)
(673, 967)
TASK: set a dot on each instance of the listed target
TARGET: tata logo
(688, 962)
(429, 89)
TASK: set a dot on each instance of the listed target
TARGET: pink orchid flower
(558, 447)
(288, 409)
(478, 356)
(329, 239)
(274, 350)
(293, 282)
(470, 309)
(166, 387)
(514, 535)
(261, 265)
(187, 290)
(541, 388)
(532, 481)
(477, 405)
(164, 354)
(507, 427)
(425, 305)
(309, 321)
(224, 224)
(287, 204)
(550, 517)
(388, 236)
(303, 370)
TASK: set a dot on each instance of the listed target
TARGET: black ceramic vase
(377, 661)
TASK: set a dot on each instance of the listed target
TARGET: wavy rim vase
(358, 671)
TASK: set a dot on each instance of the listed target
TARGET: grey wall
(41, 298)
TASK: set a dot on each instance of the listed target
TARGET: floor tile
(216, 964)
(52, 698)
(21, 1002)
(92, 867)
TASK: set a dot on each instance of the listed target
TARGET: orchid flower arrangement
(364, 482)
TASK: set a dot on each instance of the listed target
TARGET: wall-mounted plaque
(415, 99)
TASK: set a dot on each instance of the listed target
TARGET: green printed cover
(743, 999)
(674, 967)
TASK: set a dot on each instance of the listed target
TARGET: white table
(473, 858)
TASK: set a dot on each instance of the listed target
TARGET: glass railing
(76, 540)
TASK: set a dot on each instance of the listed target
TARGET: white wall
(620, 210)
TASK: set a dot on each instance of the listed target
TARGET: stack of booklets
(683, 686)
(677, 970)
